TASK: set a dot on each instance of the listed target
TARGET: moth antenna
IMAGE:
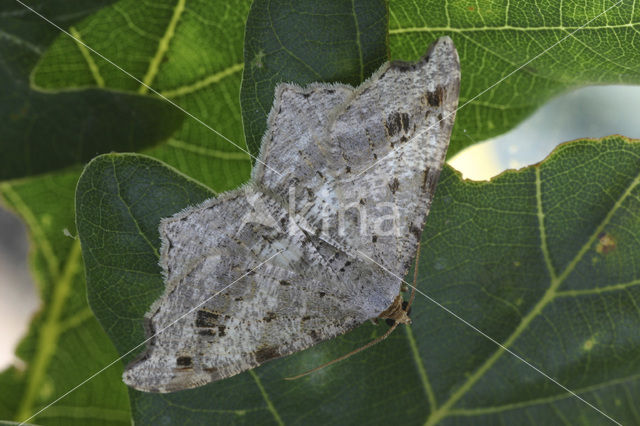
(350, 354)
(375, 341)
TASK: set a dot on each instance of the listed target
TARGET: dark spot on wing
(206, 319)
(321, 293)
(207, 332)
(210, 369)
(430, 182)
(306, 95)
(346, 264)
(424, 178)
(417, 232)
(283, 282)
(393, 123)
(306, 318)
(221, 329)
(269, 317)
(393, 186)
(436, 97)
(374, 238)
(396, 121)
(362, 202)
(404, 66)
(184, 361)
(266, 353)
(314, 335)
(348, 169)
(405, 122)
(238, 299)
(440, 118)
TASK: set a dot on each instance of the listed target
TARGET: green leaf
(44, 131)
(55, 362)
(49, 132)
(189, 52)
(331, 41)
(543, 259)
(554, 46)
(65, 343)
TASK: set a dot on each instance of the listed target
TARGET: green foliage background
(544, 259)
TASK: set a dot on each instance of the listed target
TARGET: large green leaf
(43, 131)
(334, 41)
(190, 52)
(543, 259)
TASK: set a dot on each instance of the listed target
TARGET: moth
(315, 244)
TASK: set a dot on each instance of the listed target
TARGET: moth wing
(292, 148)
(239, 291)
(387, 145)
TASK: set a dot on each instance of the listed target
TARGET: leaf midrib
(49, 333)
(405, 30)
(267, 400)
(163, 47)
(549, 295)
(533, 402)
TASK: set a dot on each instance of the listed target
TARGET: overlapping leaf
(330, 41)
(190, 52)
(544, 260)
(43, 131)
